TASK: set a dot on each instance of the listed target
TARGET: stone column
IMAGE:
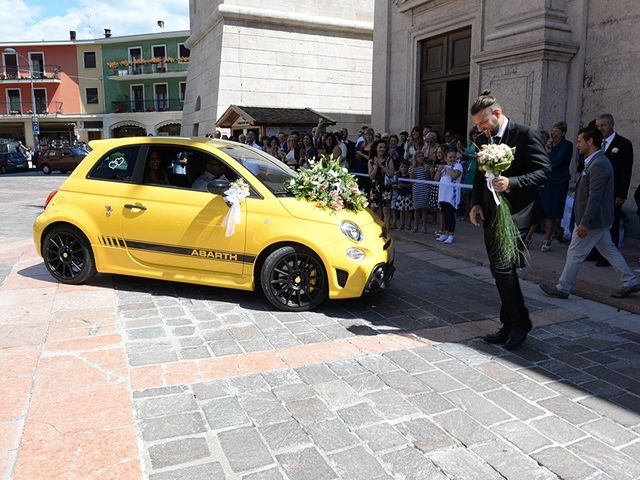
(525, 59)
(381, 67)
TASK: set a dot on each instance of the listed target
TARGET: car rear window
(117, 165)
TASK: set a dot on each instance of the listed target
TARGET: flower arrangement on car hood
(328, 185)
(507, 244)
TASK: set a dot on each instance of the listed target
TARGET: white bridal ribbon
(234, 197)
(490, 176)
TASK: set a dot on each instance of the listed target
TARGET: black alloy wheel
(67, 255)
(46, 169)
(293, 279)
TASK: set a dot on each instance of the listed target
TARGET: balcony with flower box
(147, 68)
(42, 74)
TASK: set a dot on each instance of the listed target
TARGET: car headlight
(355, 254)
(352, 231)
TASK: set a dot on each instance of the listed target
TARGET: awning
(164, 123)
(127, 123)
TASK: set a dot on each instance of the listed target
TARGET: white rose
(615, 150)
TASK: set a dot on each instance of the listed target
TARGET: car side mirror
(218, 186)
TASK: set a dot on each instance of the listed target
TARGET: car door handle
(131, 206)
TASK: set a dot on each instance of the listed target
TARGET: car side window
(117, 165)
(182, 167)
(156, 171)
(203, 168)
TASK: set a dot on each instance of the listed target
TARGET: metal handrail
(148, 69)
(26, 108)
(47, 72)
(147, 105)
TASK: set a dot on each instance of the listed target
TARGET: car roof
(213, 142)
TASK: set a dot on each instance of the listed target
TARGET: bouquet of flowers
(507, 244)
(328, 185)
(234, 196)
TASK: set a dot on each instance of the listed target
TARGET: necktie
(496, 138)
(604, 145)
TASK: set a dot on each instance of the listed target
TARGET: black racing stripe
(218, 255)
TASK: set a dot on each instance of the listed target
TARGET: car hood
(306, 210)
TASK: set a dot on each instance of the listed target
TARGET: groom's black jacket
(530, 169)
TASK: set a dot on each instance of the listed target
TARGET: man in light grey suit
(593, 210)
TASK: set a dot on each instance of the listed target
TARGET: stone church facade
(546, 60)
(279, 53)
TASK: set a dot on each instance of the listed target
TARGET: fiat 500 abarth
(155, 207)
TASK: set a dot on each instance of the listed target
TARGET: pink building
(44, 73)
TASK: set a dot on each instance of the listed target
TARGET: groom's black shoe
(499, 337)
(516, 338)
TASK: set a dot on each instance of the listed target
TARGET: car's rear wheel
(46, 169)
(293, 279)
(3, 169)
(67, 255)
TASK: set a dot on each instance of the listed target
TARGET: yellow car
(155, 207)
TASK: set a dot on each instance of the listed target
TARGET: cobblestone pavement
(129, 378)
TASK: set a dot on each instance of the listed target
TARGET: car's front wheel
(46, 169)
(67, 255)
(293, 279)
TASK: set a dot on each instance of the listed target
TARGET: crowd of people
(409, 179)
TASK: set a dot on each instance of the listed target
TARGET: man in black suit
(351, 148)
(619, 150)
(529, 170)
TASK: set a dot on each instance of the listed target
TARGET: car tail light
(50, 197)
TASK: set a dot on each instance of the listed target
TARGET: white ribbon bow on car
(234, 197)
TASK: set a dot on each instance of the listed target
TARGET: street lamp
(34, 119)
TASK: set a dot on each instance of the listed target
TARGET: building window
(89, 59)
(196, 129)
(10, 65)
(40, 95)
(183, 51)
(183, 91)
(36, 61)
(14, 102)
(92, 95)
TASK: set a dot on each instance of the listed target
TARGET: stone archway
(128, 129)
(168, 128)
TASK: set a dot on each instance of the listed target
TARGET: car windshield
(271, 172)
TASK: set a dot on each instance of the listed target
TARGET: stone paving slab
(131, 378)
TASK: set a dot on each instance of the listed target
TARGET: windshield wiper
(281, 193)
